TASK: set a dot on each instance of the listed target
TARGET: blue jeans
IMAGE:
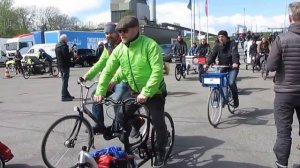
(65, 72)
(232, 83)
(121, 92)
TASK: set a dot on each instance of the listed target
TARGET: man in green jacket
(142, 66)
(121, 90)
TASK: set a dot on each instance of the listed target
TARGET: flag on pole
(189, 6)
(206, 7)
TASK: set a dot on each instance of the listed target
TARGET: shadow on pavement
(180, 94)
(248, 91)
(247, 116)
(188, 150)
(22, 166)
(246, 77)
(216, 163)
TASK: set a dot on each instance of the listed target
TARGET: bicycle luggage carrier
(214, 79)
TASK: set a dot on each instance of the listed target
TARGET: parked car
(85, 57)
(48, 48)
(167, 52)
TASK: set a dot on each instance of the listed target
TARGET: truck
(82, 39)
(22, 42)
(3, 57)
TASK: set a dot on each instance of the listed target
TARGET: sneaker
(280, 165)
(236, 103)
(137, 123)
(298, 146)
(159, 160)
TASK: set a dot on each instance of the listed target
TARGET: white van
(22, 43)
(48, 48)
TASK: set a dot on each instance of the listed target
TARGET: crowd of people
(131, 65)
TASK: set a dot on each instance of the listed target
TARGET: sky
(222, 14)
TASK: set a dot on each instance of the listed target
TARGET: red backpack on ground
(5, 153)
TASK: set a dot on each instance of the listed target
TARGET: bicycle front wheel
(26, 72)
(170, 137)
(64, 140)
(55, 71)
(178, 72)
(214, 107)
(263, 70)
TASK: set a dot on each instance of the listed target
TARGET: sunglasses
(124, 30)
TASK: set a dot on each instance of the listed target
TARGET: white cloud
(179, 13)
(99, 18)
(71, 7)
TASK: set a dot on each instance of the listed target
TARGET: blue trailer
(82, 39)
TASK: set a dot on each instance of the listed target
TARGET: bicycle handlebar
(82, 83)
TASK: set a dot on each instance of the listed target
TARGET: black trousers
(285, 104)
(156, 106)
(65, 73)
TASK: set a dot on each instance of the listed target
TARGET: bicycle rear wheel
(178, 72)
(214, 107)
(263, 70)
(170, 137)
(64, 140)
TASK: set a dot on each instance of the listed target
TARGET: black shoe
(99, 129)
(236, 103)
(159, 160)
(138, 122)
(66, 99)
(280, 165)
(72, 97)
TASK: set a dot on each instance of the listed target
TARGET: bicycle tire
(170, 136)
(55, 71)
(178, 72)
(263, 70)
(26, 72)
(215, 96)
(79, 122)
(12, 70)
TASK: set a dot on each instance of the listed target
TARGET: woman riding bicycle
(263, 49)
(227, 52)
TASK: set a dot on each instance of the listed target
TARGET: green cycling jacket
(142, 66)
(99, 66)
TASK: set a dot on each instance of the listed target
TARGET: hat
(127, 22)
(223, 32)
(110, 27)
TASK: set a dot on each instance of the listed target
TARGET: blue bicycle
(220, 94)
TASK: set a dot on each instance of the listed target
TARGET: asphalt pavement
(242, 140)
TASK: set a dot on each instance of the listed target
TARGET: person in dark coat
(47, 58)
(227, 52)
(284, 59)
(18, 63)
(181, 50)
(64, 64)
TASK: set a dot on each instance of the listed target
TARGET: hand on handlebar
(97, 98)
(141, 98)
(205, 67)
(235, 65)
